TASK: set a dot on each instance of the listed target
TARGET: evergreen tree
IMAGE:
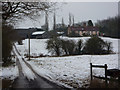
(110, 26)
(46, 21)
(90, 23)
(54, 23)
(70, 22)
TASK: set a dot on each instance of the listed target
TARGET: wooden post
(99, 66)
(119, 78)
(106, 73)
(91, 71)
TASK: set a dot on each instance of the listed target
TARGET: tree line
(110, 27)
(93, 46)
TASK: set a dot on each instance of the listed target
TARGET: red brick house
(83, 30)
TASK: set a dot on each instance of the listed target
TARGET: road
(38, 82)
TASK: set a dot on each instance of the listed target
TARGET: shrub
(54, 46)
(64, 47)
(71, 47)
(96, 45)
(84, 34)
(79, 47)
(20, 42)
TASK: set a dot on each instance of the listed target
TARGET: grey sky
(82, 11)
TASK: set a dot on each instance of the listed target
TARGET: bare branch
(19, 9)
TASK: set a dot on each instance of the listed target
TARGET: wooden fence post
(106, 73)
(91, 71)
(99, 66)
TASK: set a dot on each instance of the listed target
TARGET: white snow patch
(75, 68)
(38, 32)
(37, 47)
(10, 72)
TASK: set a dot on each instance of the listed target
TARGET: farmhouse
(83, 30)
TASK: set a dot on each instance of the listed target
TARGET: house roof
(87, 28)
(60, 32)
(38, 32)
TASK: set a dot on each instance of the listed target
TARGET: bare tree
(54, 46)
(15, 10)
(11, 12)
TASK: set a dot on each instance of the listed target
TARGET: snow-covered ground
(38, 44)
(10, 72)
(70, 70)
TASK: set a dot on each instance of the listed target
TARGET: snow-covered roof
(38, 32)
(60, 32)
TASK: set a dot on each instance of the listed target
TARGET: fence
(98, 66)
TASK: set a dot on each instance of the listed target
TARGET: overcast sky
(82, 11)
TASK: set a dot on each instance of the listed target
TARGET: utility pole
(29, 46)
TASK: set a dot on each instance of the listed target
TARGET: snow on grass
(114, 43)
(73, 68)
(70, 70)
(10, 72)
(38, 44)
(25, 69)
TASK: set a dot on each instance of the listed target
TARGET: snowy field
(38, 46)
(72, 70)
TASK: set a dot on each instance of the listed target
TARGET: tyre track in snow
(22, 81)
(38, 82)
